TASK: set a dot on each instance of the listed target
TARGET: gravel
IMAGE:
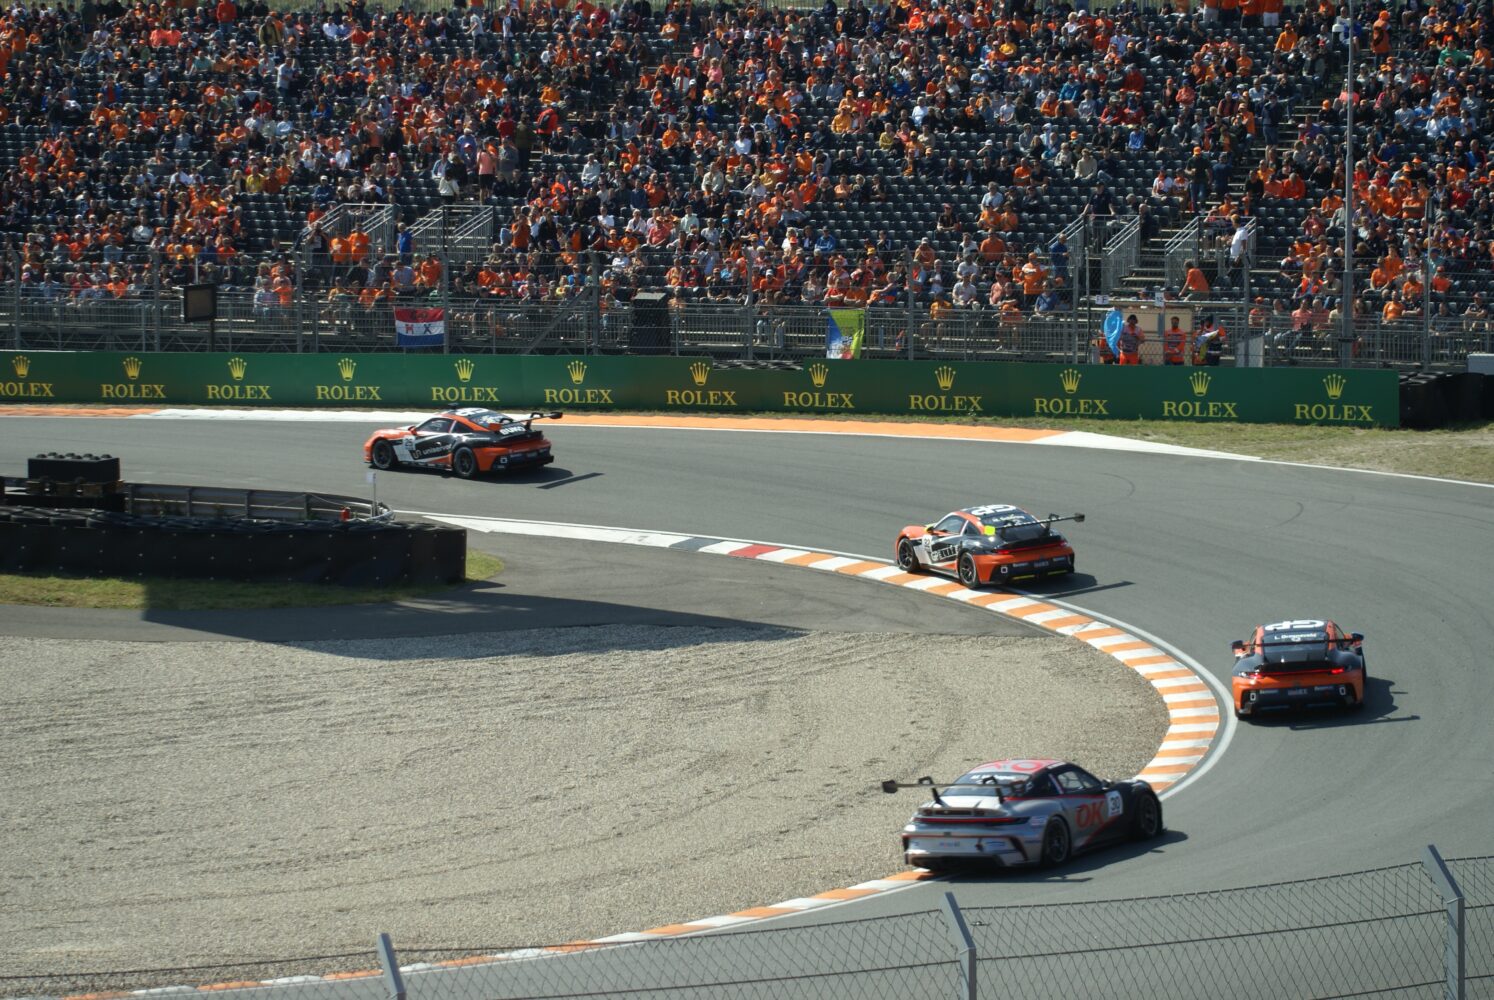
(184, 804)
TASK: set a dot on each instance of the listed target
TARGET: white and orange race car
(992, 543)
(467, 443)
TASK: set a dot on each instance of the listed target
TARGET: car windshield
(996, 782)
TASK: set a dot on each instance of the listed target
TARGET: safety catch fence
(1423, 929)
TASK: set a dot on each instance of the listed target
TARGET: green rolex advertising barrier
(993, 389)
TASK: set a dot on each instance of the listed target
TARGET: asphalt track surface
(1193, 550)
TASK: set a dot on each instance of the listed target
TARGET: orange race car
(994, 543)
(1298, 663)
(466, 442)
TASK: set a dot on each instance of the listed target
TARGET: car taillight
(1003, 552)
(1336, 670)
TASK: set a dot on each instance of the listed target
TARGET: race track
(1193, 550)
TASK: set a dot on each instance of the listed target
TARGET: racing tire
(464, 463)
(969, 575)
(1058, 844)
(1147, 822)
(381, 456)
(907, 561)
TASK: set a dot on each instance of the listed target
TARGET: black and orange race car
(466, 442)
(1298, 663)
(994, 543)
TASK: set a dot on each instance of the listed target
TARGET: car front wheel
(1148, 822)
(1056, 843)
(382, 455)
(907, 560)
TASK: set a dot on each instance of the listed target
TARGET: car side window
(1073, 781)
(951, 525)
(1041, 785)
(435, 425)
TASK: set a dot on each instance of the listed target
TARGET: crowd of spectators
(1423, 214)
(694, 148)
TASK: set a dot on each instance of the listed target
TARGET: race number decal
(1114, 804)
(1292, 626)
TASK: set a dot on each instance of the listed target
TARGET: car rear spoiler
(1241, 646)
(891, 786)
(551, 415)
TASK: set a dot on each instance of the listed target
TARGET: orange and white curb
(1193, 714)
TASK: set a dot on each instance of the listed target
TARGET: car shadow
(1072, 585)
(1077, 869)
(1379, 706)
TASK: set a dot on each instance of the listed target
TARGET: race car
(467, 442)
(1022, 813)
(994, 543)
(1296, 664)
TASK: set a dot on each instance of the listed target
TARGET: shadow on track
(1077, 869)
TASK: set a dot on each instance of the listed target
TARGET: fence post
(392, 978)
(912, 307)
(964, 943)
(1452, 898)
(15, 300)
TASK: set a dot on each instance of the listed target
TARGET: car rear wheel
(907, 560)
(969, 576)
(464, 463)
(1148, 820)
(382, 455)
(1056, 843)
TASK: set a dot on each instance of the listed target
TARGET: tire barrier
(348, 553)
(1430, 401)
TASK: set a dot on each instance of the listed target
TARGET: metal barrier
(1423, 929)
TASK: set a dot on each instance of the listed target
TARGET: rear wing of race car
(990, 788)
(551, 415)
(1245, 647)
(1055, 518)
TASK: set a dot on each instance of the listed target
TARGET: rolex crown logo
(131, 367)
(237, 367)
(577, 371)
(464, 369)
(22, 365)
(346, 367)
(699, 372)
(818, 373)
(1335, 385)
(1069, 378)
(1200, 382)
(944, 375)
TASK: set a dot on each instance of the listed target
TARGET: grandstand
(985, 167)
